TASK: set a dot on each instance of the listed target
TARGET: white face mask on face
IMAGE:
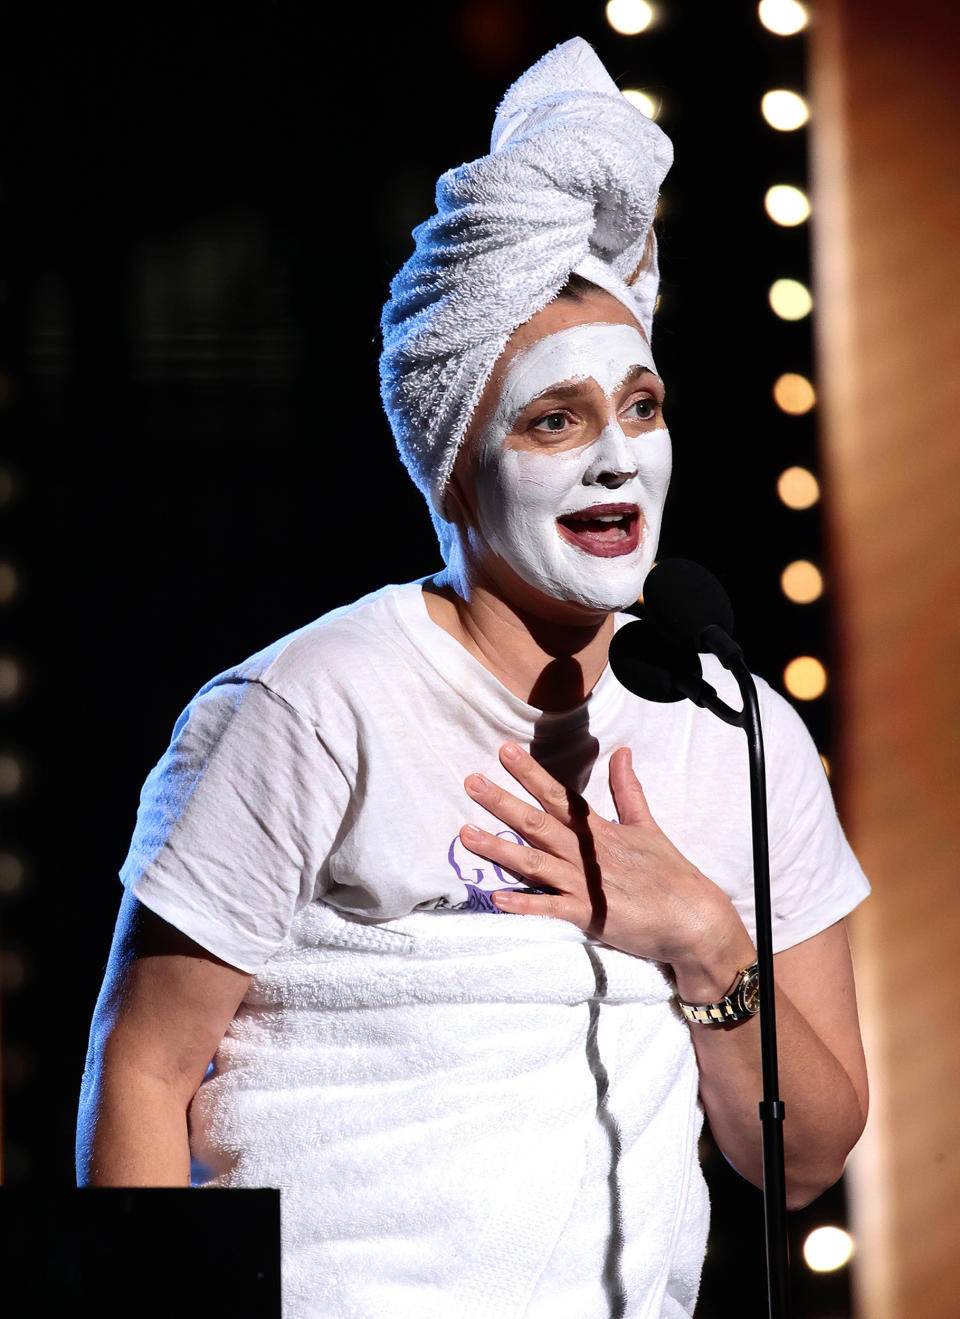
(522, 494)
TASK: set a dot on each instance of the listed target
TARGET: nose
(612, 462)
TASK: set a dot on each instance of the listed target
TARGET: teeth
(584, 515)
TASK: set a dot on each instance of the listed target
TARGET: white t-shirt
(330, 767)
(466, 1111)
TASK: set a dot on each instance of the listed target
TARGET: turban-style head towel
(570, 185)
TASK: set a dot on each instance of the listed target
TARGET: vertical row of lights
(801, 581)
(630, 18)
(10, 677)
(10, 674)
(826, 1248)
(11, 773)
(11, 690)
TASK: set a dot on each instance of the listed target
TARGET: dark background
(202, 209)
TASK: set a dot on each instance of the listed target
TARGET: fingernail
(471, 831)
(477, 783)
(510, 751)
(504, 899)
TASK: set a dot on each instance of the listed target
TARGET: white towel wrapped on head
(570, 185)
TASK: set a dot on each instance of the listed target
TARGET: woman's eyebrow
(636, 372)
(577, 387)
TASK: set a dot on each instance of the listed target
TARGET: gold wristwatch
(742, 1001)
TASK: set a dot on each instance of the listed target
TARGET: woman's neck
(552, 663)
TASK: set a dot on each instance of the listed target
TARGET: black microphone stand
(663, 665)
(771, 1108)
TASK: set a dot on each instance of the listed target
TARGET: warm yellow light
(10, 680)
(14, 970)
(786, 204)
(798, 488)
(790, 299)
(793, 394)
(805, 678)
(801, 582)
(785, 17)
(825, 763)
(11, 873)
(628, 17)
(11, 775)
(827, 1248)
(9, 583)
(784, 110)
(644, 103)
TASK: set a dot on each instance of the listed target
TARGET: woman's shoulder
(326, 655)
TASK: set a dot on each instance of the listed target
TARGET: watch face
(750, 992)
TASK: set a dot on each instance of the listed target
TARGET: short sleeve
(235, 822)
(815, 879)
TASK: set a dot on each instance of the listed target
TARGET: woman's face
(567, 463)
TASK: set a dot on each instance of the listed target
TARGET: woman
(471, 1113)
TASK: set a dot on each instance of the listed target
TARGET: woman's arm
(161, 1014)
(822, 1073)
(629, 886)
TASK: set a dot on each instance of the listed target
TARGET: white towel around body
(471, 1115)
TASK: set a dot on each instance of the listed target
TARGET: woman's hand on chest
(624, 883)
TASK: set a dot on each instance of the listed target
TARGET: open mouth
(606, 530)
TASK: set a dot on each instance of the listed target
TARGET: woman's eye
(553, 421)
(646, 408)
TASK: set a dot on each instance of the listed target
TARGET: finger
(561, 907)
(536, 826)
(566, 806)
(529, 863)
(627, 793)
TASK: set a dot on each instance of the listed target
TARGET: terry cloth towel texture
(473, 1117)
(570, 185)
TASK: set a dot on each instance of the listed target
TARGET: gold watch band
(741, 1001)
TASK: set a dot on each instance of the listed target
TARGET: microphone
(691, 609)
(648, 664)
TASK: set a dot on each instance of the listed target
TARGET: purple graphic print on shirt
(480, 878)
